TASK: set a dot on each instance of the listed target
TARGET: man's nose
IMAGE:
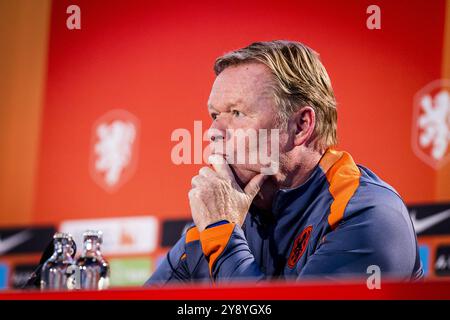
(216, 135)
(217, 132)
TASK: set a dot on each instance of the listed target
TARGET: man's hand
(215, 195)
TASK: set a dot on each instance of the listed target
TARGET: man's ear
(304, 121)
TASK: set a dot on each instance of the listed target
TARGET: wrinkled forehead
(245, 85)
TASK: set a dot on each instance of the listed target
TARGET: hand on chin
(243, 174)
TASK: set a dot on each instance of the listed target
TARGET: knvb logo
(299, 247)
(114, 149)
(431, 123)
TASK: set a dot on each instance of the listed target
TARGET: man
(318, 216)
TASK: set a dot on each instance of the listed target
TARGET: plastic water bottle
(93, 268)
(57, 270)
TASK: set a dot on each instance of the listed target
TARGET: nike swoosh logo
(425, 223)
(14, 240)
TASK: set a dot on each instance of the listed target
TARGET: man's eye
(214, 116)
(237, 113)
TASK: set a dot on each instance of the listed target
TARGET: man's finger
(207, 172)
(198, 181)
(252, 188)
(221, 166)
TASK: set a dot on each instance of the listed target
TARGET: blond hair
(300, 80)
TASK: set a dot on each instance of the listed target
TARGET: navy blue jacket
(342, 220)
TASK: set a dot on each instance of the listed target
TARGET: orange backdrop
(154, 59)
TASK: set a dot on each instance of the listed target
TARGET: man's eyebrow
(211, 107)
(228, 105)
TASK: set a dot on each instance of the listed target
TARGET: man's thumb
(252, 188)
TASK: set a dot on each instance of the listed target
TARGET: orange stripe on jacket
(214, 240)
(192, 235)
(343, 176)
(329, 158)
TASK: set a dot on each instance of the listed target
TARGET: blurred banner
(91, 92)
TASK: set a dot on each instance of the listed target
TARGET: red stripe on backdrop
(399, 291)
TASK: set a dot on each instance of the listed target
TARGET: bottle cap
(62, 235)
(93, 233)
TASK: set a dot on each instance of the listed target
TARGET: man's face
(242, 98)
